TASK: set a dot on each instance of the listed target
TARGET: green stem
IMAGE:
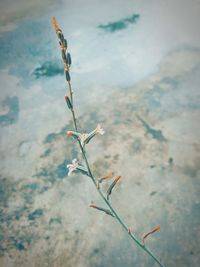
(74, 120)
(117, 216)
(119, 219)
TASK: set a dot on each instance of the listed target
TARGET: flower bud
(75, 135)
(69, 133)
(64, 43)
(69, 59)
(60, 35)
(69, 104)
(68, 78)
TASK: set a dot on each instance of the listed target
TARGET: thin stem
(117, 216)
(74, 121)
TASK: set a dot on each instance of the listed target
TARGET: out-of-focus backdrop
(135, 70)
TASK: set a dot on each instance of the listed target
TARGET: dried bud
(157, 228)
(108, 212)
(69, 103)
(100, 180)
(109, 191)
(55, 23)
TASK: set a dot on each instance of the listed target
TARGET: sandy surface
(142, 85)
(45, 217)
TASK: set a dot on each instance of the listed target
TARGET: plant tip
(92, 206)
(69, 133)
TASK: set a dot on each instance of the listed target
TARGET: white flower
(72, 167)
(75, 166)
(99, 130)
(87, 137)
(82, 138)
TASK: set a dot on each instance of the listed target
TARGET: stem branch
(117, 216)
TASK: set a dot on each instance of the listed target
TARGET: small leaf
(69, 103)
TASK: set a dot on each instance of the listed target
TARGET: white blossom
(84, 138)
(76, 166)
(73, 166)
(87, 137)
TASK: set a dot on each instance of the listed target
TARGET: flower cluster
(85, 138)
(63, 45)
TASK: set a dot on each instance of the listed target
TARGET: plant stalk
(114, 212)
(117, 216)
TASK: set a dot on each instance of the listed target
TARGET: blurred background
(136, 70)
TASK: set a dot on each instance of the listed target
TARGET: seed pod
(68, 78)
(69, 59)
(69, 104)
(117, 178)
